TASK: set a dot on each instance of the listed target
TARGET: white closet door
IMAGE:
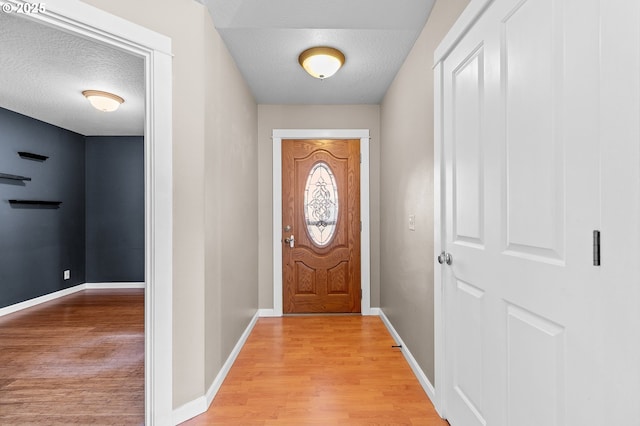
(522, 298)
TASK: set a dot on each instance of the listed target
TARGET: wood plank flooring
(74, 360)
(320, 370)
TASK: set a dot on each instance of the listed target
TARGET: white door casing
(619, 154)
(524, 169)
(365, 249)
(87, 21)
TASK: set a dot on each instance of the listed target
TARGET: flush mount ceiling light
(103, 101)
(321, 62)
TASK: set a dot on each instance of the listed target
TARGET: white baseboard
(39, 300)
(266, 313)
(114, 285)
(61, 293)
(201, 404)
(215, 386)
(422, 378)
(190, 410)
(374, 311)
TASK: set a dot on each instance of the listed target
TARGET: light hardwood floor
(75, 360)
(80, 360)
(320, 370)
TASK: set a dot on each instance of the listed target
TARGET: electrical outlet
(412, 222)
(66, 274)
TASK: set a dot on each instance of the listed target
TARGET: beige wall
(214, 119)
(218, 209)
(231, 205)
(312, 117)
(406, 272)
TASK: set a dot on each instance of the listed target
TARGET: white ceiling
(43, 71)
(266, 37)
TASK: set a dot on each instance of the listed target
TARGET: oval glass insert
(321, 204)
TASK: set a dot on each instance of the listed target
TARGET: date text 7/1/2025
(24, 8)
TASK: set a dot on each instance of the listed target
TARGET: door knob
(445, 258)
(291, 241)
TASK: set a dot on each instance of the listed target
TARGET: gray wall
(38, 244)
(114, 209)
(407, 258)
(97, 232)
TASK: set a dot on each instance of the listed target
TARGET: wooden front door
(321, 226)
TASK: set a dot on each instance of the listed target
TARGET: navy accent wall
(115, 208)
(38, 243)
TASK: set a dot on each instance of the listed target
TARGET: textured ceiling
(44, 72)
(266, 37)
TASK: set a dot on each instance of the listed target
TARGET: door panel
(467, 383)
(534, 341)
(321, 210)
(532, 74)
(468, 165)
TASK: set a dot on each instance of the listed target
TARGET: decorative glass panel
(321, 204)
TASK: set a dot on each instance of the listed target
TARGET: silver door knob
(445, 258)
(291, 241)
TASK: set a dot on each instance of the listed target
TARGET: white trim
(375, 311)
(265, 313)
(365, 233)
(159, 241)
(222, 374)
(277, 224)
(467, 18)
(64, 292)
(39, 300)
(86, 21)
(438, 243)
(114, 285)
(365, 238)
(200, 405)
(190, 410)
(422, 378)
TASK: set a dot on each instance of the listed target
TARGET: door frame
(466, 20)
(365, 235)
(439, 233)
(89, 22)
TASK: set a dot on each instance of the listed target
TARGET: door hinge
(360, 158)
(596, 248)
(360, 294)
(360, 226)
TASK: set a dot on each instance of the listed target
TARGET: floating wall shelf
(36, 202)
(32, 156)
(13, 177)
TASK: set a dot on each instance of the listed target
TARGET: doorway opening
(93, 24)
(311, 134)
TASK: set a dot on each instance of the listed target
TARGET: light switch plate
(66, 274)
(412, 222)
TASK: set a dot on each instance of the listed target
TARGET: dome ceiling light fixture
(103, 101)
(322, 61)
